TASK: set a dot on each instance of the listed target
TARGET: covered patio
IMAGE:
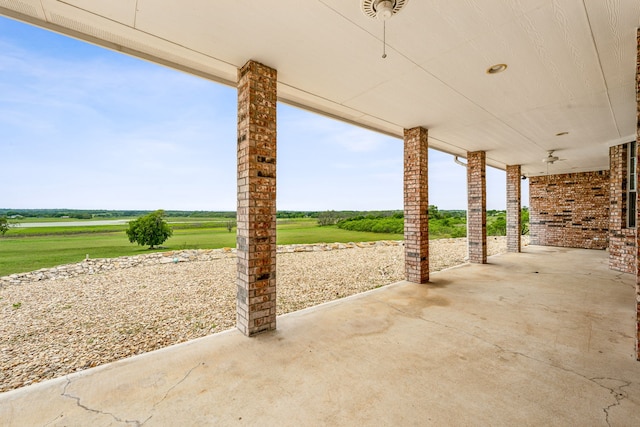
(545, 90)
(537, 338)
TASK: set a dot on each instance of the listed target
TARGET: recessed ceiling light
(495, 69)
(562, 133)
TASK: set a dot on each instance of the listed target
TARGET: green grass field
(27, 249)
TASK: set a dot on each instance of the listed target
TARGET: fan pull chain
(384, 39)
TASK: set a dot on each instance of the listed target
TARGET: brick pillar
(622, 239)
(416, 205)
(638, 210)
(513, 208)
(256, 238)
(477, 207)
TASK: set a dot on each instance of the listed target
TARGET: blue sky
(82, 127)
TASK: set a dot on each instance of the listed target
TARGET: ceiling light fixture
(551, 159)
(382, 10)
(495, 69)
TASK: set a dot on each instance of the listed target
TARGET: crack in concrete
(178, 383)
(619, 279)
(97, 411)
(619, 395)
(155, 405)
(53, 420)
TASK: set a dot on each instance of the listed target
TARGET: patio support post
(514, 225)
(638, 210)
(256, 215)
(477, 207)
(416, 205)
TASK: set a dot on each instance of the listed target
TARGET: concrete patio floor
(544, 337)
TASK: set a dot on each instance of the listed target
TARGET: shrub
(391, 224)
(524, 221)
(4, 225)
(497, 226)
(328, 218)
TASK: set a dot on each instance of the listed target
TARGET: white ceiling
(571, 64)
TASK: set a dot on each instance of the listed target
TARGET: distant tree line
(101, 213)
(334, 217)
(442, 223)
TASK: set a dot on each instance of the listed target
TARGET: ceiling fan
(382, 10)
(551, 159)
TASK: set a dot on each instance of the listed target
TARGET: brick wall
(256, 238)
(477, 207)
(622, 240)
(638, 210)
(570, 210)
(513, 208)
(416, 205)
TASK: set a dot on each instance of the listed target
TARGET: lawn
(27, 249)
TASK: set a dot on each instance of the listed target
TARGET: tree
(498, 225)
(4, 225)
(524, 221)
(150, 229)
(434, 213)
(329, 218)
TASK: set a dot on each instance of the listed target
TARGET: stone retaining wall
(98, 265)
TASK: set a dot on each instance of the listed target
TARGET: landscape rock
(98, 265)
(110, 309)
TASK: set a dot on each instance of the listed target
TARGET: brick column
(416, 205)
(638, 210)
(513, 208)
(477, 207)
(256, 239)
(622, 239)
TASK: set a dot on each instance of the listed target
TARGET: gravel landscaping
(51, 328)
